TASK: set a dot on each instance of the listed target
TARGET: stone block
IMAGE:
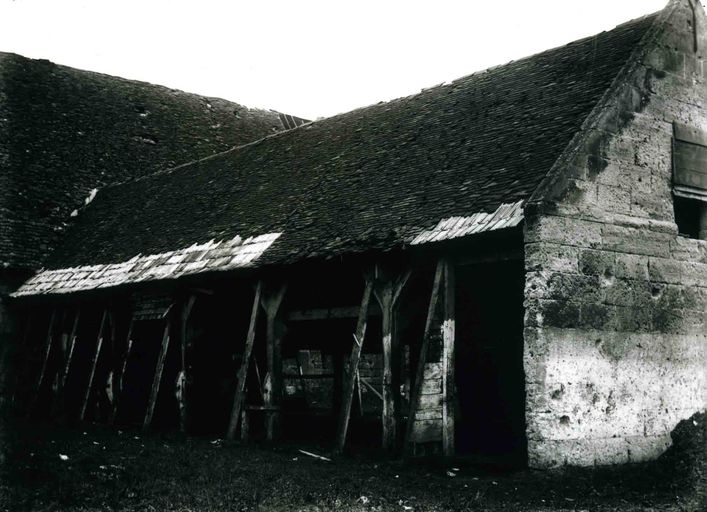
(631, 266)
(635, 241)
(597, 263)
(550, 257)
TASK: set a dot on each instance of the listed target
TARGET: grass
(110, 470)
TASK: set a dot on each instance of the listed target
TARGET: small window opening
(688, 214)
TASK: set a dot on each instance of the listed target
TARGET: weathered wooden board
(429, 414)
(430, 402)
(424, 431)
(239, 397)
(351, 373)
(691, 134)
(432, 371)
(431, 386)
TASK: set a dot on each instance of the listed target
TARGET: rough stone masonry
(616, 300)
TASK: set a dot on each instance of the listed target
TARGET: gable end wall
(616, 301)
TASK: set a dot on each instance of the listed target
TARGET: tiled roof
(64, 132)
(377, 178)
(209, 257)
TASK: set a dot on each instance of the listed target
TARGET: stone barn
(510, 267)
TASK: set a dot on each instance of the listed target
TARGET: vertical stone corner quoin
(616, 301)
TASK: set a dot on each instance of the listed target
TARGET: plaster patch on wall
(210, 256)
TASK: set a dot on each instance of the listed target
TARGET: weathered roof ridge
(423, 90)
(136, 81)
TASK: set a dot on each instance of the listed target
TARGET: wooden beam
(72, 346)
(509, 255)
(448, 336)
(424, 348)
(274, 330)
(352, 369)
(387, 292)
(94, 362)
(154, 392)
(183, 378)
(328, 313)
(69, 358)
(121, 372)
(371, 388)
(47, 350)
(239, 397)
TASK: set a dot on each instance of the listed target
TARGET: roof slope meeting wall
(64, 132)
(375, 178)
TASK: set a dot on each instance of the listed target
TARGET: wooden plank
(430, 401)
(432, 371)
(94, 362)
(425, 431)
(239, 397)
(352, 369)
(273, 380)
(431, 386)
(448, 337)
(182, 378)
(429, 414)
(122, 367)
(690, 134)
(370, 387)
(154, 392)
(415, 393)
(47, 350)
(690, 165)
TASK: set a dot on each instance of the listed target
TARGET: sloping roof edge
(228, 255)
(555, 176)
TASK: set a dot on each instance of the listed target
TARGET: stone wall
(616, 301)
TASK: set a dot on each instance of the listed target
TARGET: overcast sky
(309, 58)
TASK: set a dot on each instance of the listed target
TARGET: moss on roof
(64, 132)
(371, 179)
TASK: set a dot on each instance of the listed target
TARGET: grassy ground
(91, 469)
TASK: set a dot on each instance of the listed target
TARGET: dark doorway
(490, 380)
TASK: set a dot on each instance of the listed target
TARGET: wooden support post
(358, 393)
(417, 385)
(271, 304)
(45, 359)
(154, 392)
(94, 362)
(239, 397)
(448, 384)
(72, 346)
(352, 369)
(69, 357)
(302, 382)
(121, 371)
(387, 292)
(183, 378)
